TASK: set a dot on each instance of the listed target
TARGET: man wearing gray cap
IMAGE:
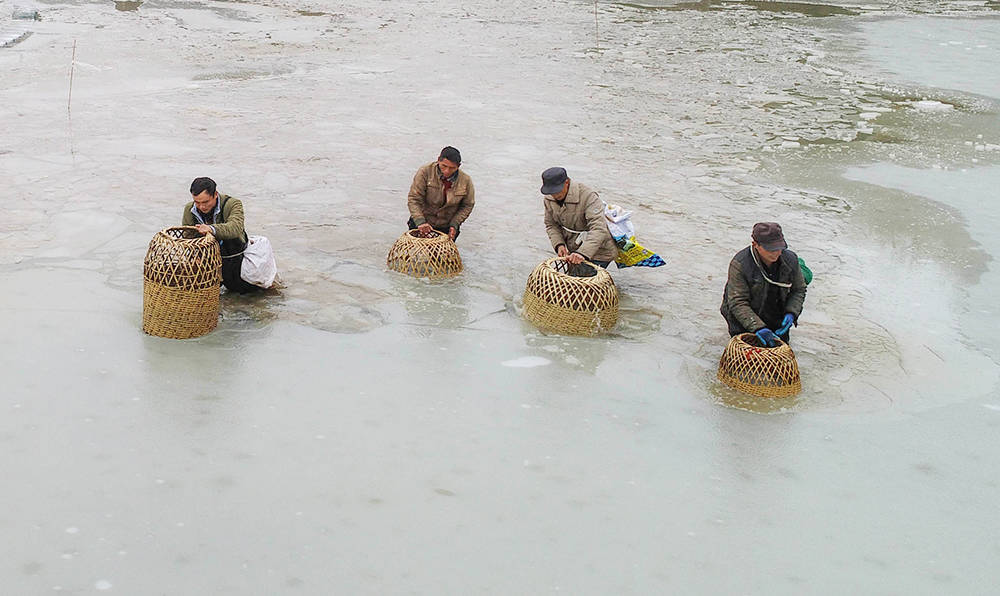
(766, 288)
(574, 220)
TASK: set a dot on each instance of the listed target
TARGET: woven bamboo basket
(749, 367)
(431, 255)
(180, 291)
(571, 299)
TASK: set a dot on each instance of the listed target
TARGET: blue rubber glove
(767, 337)
(786, 324)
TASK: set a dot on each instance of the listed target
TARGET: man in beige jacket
(441, 196)
(574, 220)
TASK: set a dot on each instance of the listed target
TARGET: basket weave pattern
(755, 370)
(561, 303)
(431, 255)
(180, 291)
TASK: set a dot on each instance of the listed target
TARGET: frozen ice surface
(939, 52)
(527, 362)
(363, 432)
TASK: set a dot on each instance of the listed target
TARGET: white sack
(259, 267)
(619, 222)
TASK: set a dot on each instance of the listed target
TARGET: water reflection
(741, 401)
(243, 321)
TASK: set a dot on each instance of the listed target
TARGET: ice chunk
(930, 105)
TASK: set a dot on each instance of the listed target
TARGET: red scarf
(446, 182)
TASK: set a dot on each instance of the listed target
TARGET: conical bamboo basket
(180, 291)
(431, 255)
(558, 302)
(764, 372)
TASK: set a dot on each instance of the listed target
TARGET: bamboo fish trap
(571, 299)
(749, 367)
(180, 291)
(431, 255)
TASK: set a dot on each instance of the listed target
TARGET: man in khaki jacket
(574, 220)
(441, 196)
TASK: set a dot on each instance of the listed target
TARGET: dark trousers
(231, 267)
(444, 230)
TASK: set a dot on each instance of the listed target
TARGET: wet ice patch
(347, 318)
(939, 56)
(527, 362)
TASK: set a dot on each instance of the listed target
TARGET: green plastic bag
(806, 271)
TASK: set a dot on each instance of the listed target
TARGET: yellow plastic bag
(633, 254)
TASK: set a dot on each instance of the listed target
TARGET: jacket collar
(785, 267)
(572, 195)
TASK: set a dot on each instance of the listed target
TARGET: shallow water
(361, 431)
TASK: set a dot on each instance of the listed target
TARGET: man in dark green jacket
(221, 216)
(766, 289)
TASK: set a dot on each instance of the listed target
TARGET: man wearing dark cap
(574, 220)
(766, 288)
(221, 216)
(441, 196)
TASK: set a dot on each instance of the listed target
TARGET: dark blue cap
(553, 180)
